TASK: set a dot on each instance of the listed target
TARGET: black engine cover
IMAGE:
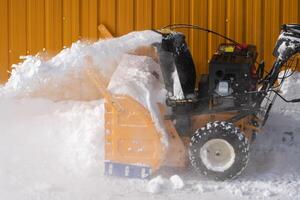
(235, 65)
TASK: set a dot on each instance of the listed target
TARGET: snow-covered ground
(51, 139)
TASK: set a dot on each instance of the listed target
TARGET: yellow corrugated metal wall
(29, 26)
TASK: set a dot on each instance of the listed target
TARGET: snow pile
(160, 184)
(63, 77)
(156, 185)
(47, 147)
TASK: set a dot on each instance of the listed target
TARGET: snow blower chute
(211, 125)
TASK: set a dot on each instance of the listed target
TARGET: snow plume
(63, 77)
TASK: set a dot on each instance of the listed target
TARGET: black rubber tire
(228, 132)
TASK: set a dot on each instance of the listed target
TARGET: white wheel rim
(217, 155)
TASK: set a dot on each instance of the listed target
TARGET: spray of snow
(63, 77)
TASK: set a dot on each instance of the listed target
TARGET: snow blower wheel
(219, 150)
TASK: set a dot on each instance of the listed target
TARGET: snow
(156, 185)
(45, 146)
(160, 184)
(64, 76)
(177, 182)
(51, 140)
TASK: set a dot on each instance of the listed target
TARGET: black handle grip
(295, 100)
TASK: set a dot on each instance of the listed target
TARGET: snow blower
(211, 125)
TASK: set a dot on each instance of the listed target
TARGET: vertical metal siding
(53, 25)
(17, 39)
(4, 50)
(29, 26)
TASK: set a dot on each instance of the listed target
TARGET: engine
(232, 74)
